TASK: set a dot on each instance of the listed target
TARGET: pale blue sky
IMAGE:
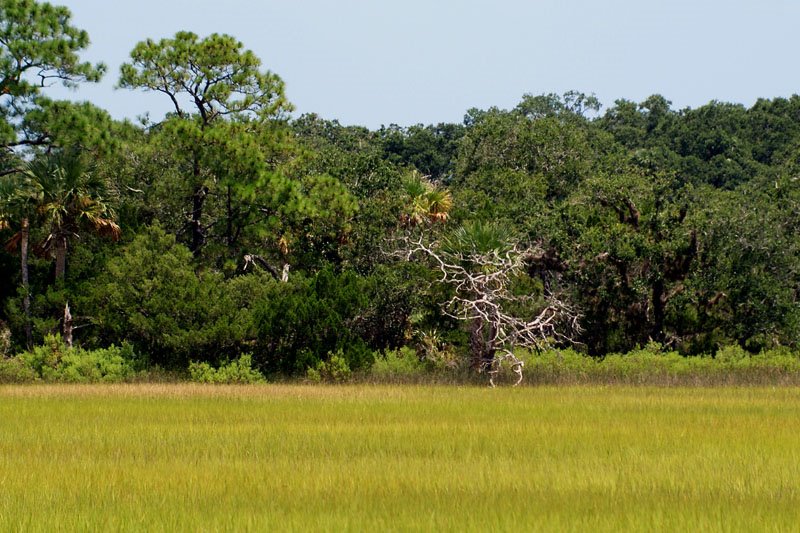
(416, 61)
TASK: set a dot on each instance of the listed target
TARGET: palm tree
(479, 238)
(16, 204)
(70, 198)
(427, 203)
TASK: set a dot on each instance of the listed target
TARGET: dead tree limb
(282, 275)
(481, 284)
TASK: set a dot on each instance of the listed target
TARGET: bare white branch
(481, 283)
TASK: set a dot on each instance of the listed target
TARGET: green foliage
(654, 366)
(305, 319)
(434, 352)
(68, 125)
(425, 202)
(397, 364)
(321, 223)
(226, 131)
(236, 371)
(429, 149)
(38, 46)
(54, 361)
(101, 365)
(353, 156)
(225, 78)
(151, 296)
(679, 226)
(573, 105)
(334, 369)
(70, 197)
(15, 370)
(478, 237)
(559, 151)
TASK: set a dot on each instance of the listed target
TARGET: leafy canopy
(38, 47)
(213, 77)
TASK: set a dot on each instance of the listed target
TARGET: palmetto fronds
(69, 196)
(426, 203)
(16, 199)
(480, 238)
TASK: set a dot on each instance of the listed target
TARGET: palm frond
(426, 202)
(108, 228)
(70, 193)
(478, 237)
(13, 243)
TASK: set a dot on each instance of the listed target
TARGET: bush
(151, 296)
(400, 363)
(237, 371)
(109, 365)
(651, 365)
(731, 353)
(14, 370)
(434, 352)
(5, 339)
(54, 361)
(555, 366)
(306, 318)
(335, 369)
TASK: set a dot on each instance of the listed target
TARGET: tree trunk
(491, 350)
(476, 343)
(61, 257)
(198, 199)
(229, 221)
(198, 237)
(67, 326)
(659, 303)
(480, 333)
(26, 296)
(481, 342)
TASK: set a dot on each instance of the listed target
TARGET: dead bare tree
(282, 276)
(481, 283)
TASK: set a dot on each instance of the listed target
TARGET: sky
(374, 63)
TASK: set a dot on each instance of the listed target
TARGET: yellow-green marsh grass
(291, 457)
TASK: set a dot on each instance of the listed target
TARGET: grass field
(292, 457)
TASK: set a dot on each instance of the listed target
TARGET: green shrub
(553, 366)
(653, 365)
(5, 340)
(44, 358)
(152, 296)
(14, 370)
(54, 361)
(112, 364)
(731, 353)
(302, 320)
(236, 371)
(403, 362)
(434, 352)
(335, 369)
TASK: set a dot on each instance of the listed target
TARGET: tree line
(231, 227)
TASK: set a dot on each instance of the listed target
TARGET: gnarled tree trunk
(67, 326)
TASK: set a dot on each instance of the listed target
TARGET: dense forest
(232, 227)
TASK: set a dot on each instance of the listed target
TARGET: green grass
(370, 458)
